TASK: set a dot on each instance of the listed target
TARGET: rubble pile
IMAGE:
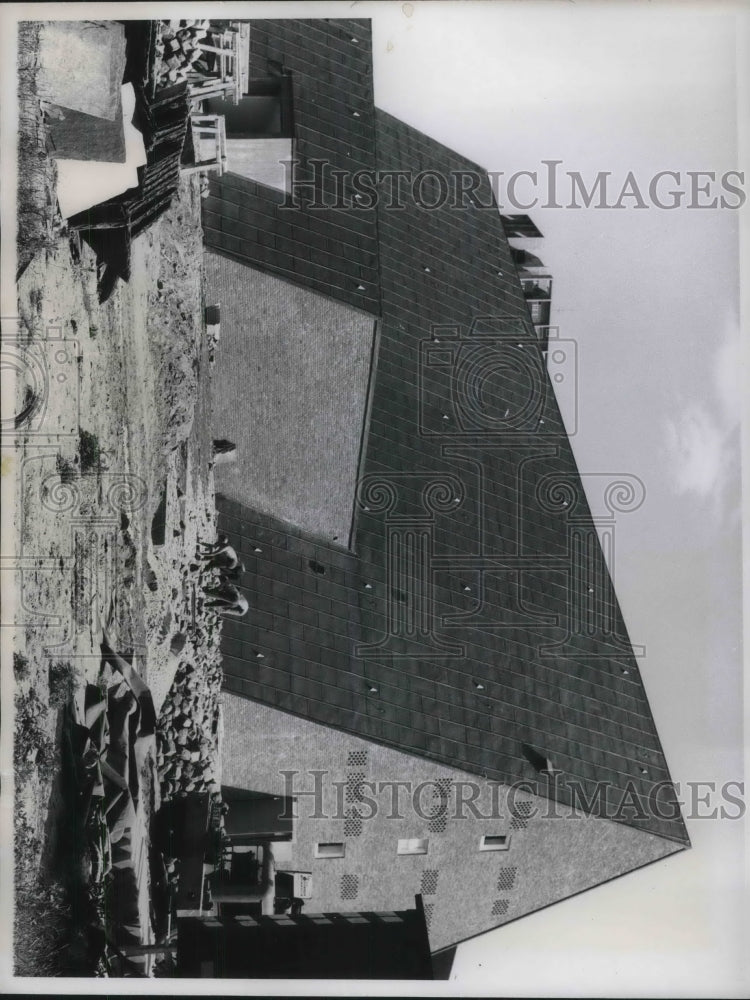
(178, 49)
(187, 746)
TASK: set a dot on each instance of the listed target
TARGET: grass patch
(33, 751)
(41, 924)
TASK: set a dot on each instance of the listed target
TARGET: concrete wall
(289, 389)
(466, 891)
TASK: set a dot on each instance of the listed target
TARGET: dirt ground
(114, 490)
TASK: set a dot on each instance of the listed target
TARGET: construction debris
(178, 49)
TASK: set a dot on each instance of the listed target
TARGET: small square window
(494, 842)
(330, 850)
(415, 845)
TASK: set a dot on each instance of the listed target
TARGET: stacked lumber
(178, 49)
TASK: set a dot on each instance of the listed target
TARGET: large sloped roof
(475, 623)
(330, 250)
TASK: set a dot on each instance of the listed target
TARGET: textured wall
(289, 389)
(465, 891)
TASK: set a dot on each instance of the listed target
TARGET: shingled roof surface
(475, 622)
(330, 250)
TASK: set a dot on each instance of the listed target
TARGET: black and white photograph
(372, 552)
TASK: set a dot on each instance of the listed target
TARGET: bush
(88, 450)
(63, 681)
(20, 666)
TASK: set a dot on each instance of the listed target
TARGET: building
(430, 599)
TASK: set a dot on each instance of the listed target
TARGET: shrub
(63, 681)
(20, 666)
(88, 450)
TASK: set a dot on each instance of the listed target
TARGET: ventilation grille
(437, 824)
(507, 879)
(428, 908)
(349, 886)
(499, 907)
(443, 788)
(430, 881)
(521, 813)
(440, 795)
(354, 789)
(352, 825)
(356, 758)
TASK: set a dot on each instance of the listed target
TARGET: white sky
(651, 298)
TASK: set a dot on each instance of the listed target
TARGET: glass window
(330, 850)
(413, 846)
(494, 842)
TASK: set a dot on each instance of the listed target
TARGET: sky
(651, 299)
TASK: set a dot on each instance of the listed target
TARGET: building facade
(459, 627)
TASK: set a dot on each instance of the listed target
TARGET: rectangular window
(413, 846)
(330, 850)
(494, 842)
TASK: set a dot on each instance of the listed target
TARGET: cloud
(702, 441)
(696, 444)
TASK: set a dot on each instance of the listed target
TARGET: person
(222, 558)
(209, 548)
(227, 600)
